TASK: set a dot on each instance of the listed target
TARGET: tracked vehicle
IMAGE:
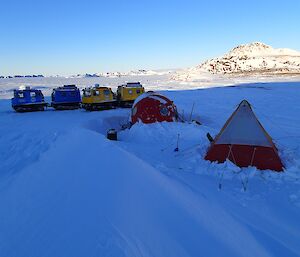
(126, 94)
(27, 99)
(66, 98)
(98, 98)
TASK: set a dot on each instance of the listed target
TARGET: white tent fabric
(152, 95)
(158, 98)
(141, 97)
(243, 129)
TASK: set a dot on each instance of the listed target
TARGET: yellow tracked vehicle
(126, 94)
(98, 98)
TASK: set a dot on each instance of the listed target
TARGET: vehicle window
(106, 92)
(130, 92)
(96, 93)
(32, 94)
(87, 93)
(21, 95)
(138, 91)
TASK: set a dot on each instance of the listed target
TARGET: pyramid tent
(245, 142)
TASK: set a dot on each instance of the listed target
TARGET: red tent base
(261, 157)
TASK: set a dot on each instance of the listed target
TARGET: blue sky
(69, 37)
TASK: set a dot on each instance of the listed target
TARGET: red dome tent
(244, 141)
(152, 107)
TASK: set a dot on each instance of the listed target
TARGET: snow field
(68, 191)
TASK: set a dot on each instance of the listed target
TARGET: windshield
(20, 95)
(86, 92)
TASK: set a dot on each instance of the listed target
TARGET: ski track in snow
(67, 191)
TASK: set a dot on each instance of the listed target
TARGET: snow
(260, 49)
(118, 74)
(65, 190)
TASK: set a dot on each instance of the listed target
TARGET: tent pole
(252, 159)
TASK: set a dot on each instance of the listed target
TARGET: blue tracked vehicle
(66, 98)
(28, 100)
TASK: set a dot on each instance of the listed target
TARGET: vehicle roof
(132, 84)
(71, 85)
(100, 88)
(27, 89)
(66, 88)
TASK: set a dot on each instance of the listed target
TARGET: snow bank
(105, 201)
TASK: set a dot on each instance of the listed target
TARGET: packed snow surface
(65, 190)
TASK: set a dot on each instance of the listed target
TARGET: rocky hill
(254, 58)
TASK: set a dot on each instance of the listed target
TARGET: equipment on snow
(112, 134)
(177, 144)
(210, 138)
